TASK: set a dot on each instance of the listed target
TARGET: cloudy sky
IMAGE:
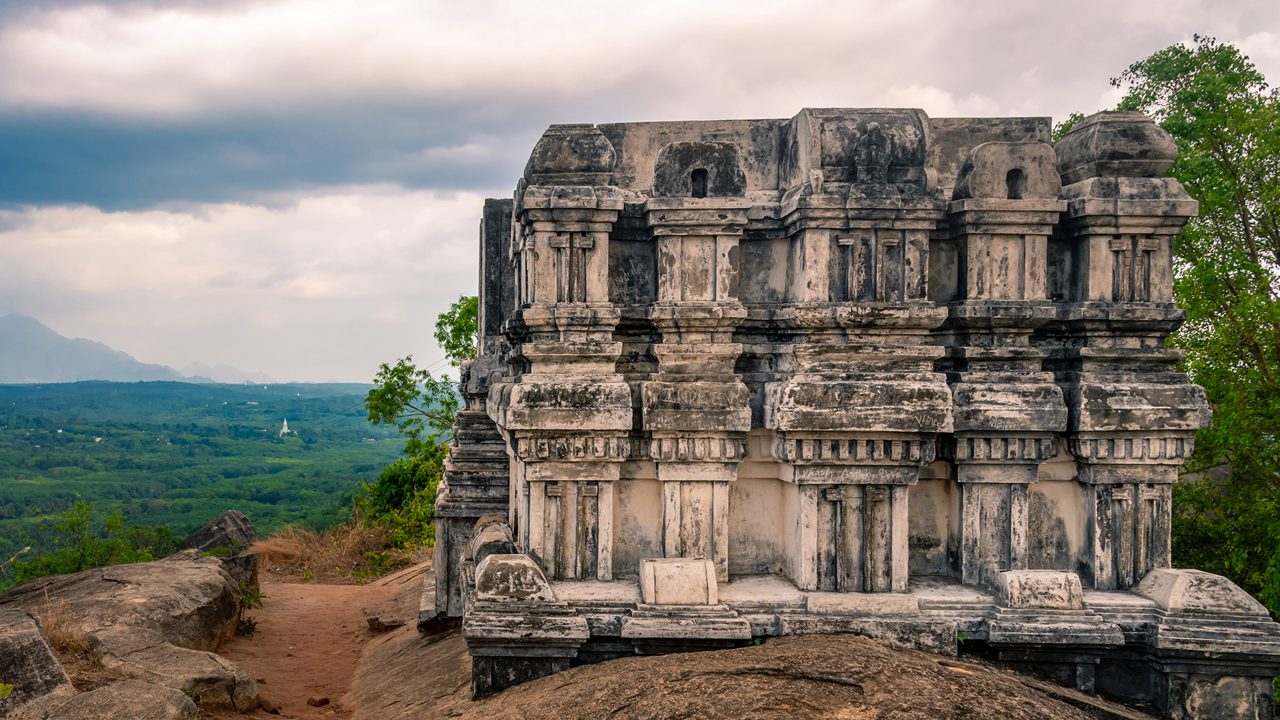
(293, 187)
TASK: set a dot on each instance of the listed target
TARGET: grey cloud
(1014, 58)
(58, 158)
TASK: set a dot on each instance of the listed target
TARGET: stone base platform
(1181, 643)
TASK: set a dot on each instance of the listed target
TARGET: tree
(1223, 116)
(87, 538)
(1061, 129)
(456, 329)
(421, 405)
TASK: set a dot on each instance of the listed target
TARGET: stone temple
(859, 370)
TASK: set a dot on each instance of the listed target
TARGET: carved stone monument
(855, 371)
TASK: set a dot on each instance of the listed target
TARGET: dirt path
(308, 641)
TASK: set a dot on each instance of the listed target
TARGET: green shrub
(87, 539)
(403, 499)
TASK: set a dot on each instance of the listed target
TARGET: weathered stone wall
(803, 314)
(860, 352)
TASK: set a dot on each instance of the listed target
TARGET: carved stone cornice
(586, 447)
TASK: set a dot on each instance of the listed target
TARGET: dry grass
(71, 646)
(350, 553)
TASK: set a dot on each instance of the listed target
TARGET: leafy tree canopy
(420, 404)
(1224, 118)
(456, 330)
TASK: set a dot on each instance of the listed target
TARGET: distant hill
(225, 374)
(32, 353)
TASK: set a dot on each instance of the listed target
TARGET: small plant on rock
(250, 599)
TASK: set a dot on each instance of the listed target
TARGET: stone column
(476, 471)
(696, 412)
(567, 416)
(861, 413)
(1007, 411)
(1132, 416)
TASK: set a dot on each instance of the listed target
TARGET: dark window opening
(699, 182)
(1016, 183)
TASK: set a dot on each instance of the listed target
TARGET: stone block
(1110, 144)
(1196, 591)
(876, 604)
(513, 577)
(493, 537)
(1039, 589)
(678, 581)
(685, 624)
(573, 154)
(1009, 171)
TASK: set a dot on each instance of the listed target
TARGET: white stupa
(284, 429)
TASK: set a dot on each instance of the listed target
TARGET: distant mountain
(224, 374)
(32, 353)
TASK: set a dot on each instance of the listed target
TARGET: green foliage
(422, 407)
(179, 454)
(456, 329)
(403, 499)
(1222, 115)
(5, 690)
(419, 405)
(1061, 129)
(250, 599)
(89, 539)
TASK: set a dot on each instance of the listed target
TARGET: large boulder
(191, 601)
(128, 699)
(229, 534)
(212, 681)
(27, 663)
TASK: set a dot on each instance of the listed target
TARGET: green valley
(178, 454)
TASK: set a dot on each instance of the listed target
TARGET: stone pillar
(1132, 416)
(860, 408)
(476, 471)
(567, 417)
(1007, 411)
(696, 411)
(859, 417)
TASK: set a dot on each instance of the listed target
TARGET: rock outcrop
(404, 677)
(229, 537)
(27, 663)
(128, 699)
(209, 679)
(156, 623)
(191, 601)
(230, 533)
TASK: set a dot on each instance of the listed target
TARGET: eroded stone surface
(230, 533)
(1196, 591)
(189, 600)
(131, 699)
(27, 663)
(512, 577)
(1044, 589)
(834, 350)
(209, 679)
